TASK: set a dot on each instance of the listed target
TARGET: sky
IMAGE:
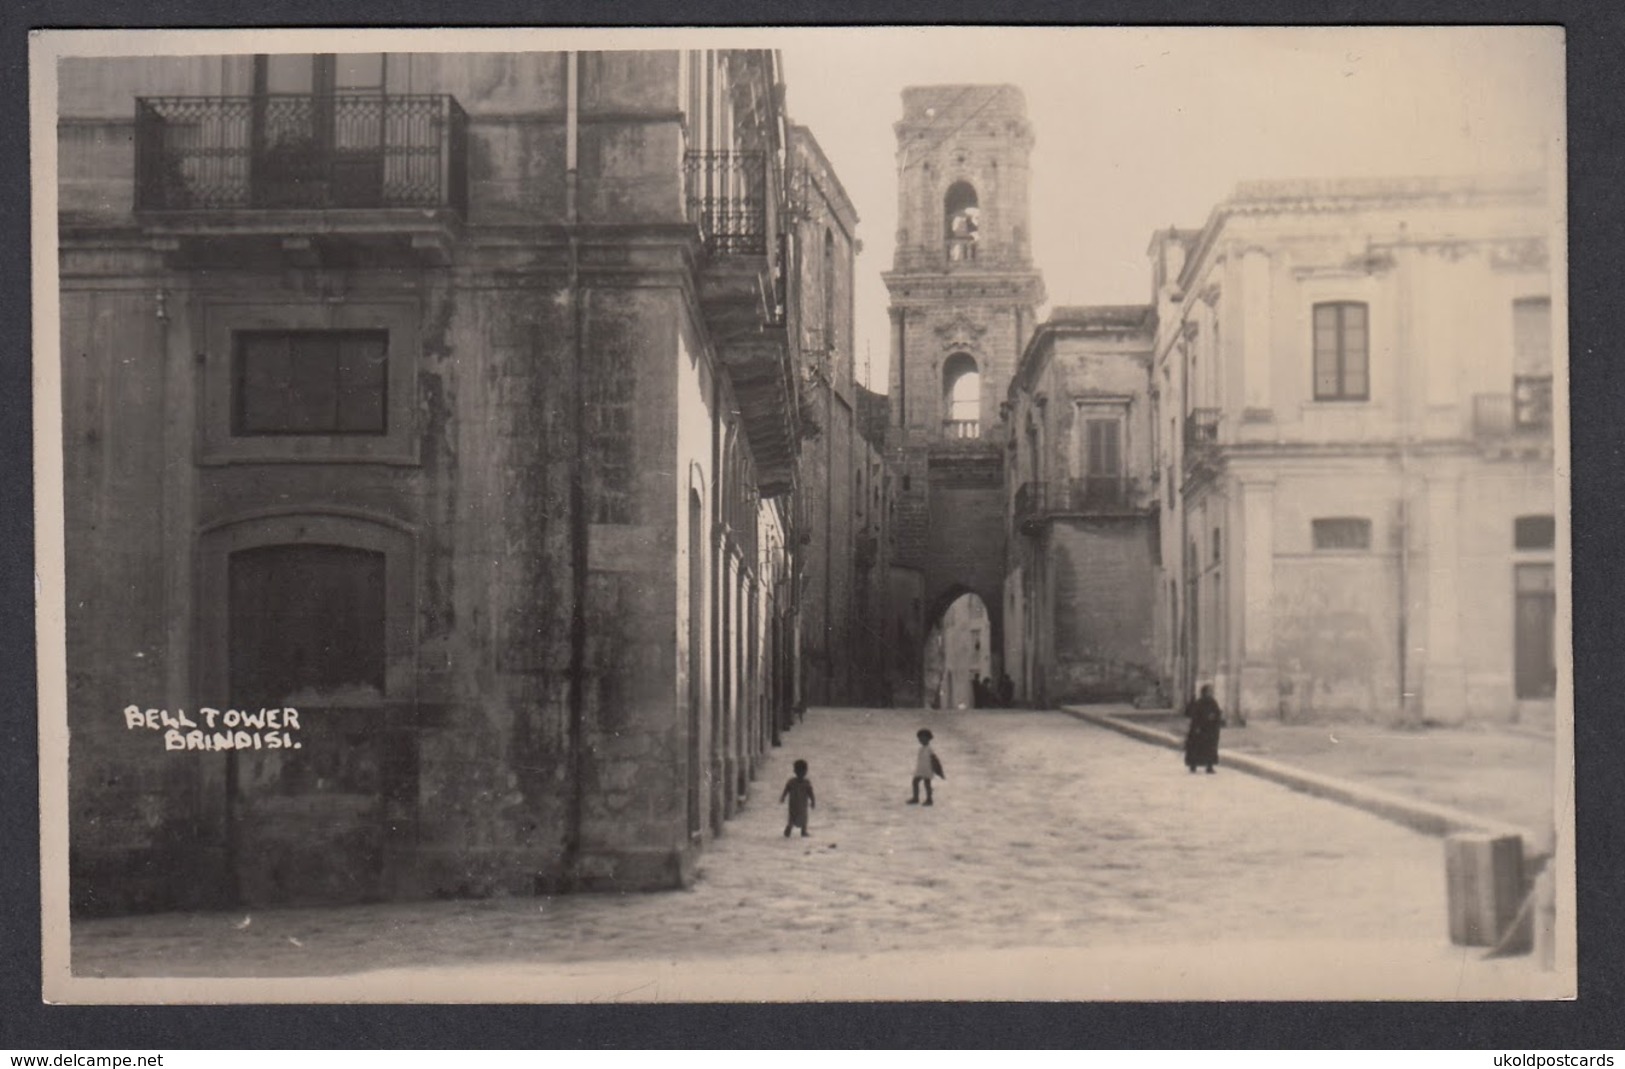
(1142, 128)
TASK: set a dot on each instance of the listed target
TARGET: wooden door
(306, 629)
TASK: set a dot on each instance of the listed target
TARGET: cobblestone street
(1048, 833)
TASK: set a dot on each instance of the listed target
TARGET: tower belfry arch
(964, 294)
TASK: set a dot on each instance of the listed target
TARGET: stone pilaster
(1257, 685)
(1444, 682)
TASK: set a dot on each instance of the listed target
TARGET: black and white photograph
(803, 514)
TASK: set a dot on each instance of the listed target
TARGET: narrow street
(1048, 833)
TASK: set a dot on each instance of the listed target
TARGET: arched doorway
(958, 650)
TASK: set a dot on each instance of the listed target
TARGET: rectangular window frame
(1088, 409)
(1100, 465)
(339, 339)
(398, 317)
(1103, 459)
(1534, 533)
(1534, 589)
(1340, 352)
(1341, 534)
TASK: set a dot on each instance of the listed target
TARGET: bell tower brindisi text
(963, 297)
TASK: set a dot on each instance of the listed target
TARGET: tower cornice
(909, 289)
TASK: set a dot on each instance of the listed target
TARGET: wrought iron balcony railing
(1201, 438)
(300, 151)
(1092, 495)
(1527, 410)
(727, 200)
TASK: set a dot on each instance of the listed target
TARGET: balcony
(338, 165)
(300, 152)
(1202, 441)
(727, 200)
(961, 429)
(1517, 422)
(1095, 495)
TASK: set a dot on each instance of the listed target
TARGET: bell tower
(963, 297)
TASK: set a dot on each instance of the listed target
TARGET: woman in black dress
(1202, 739)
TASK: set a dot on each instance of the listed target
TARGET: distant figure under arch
(958, 652)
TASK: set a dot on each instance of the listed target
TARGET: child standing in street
(926, 765)
(799, 791)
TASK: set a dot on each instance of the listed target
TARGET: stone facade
(963, 290)
(449, 400)
(1083, 536)
(1354, 385)
(841, 477)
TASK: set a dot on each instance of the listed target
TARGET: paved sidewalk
(1049, 833)
(1503, 775)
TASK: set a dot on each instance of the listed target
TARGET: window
(1534, 532)
(1341, 352)
(1534, 631)
(318, 130)
(1532, 362)
(361, 72)
(1342, 532)
(1103, 449)
(353, 72)
(1532, 336)
(1103, 461)
(310, 382)
(1217, 542)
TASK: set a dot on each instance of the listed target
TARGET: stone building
(840, 476)
(1354, 411)
(449, 400)
(874, 545)
(1083, 487)
(963, 292)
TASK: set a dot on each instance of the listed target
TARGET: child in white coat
(926, 766)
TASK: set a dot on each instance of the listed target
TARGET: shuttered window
(1105, 447)
(1342, 352)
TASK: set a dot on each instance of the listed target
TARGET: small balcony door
(318, 130)
(1103, 461)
